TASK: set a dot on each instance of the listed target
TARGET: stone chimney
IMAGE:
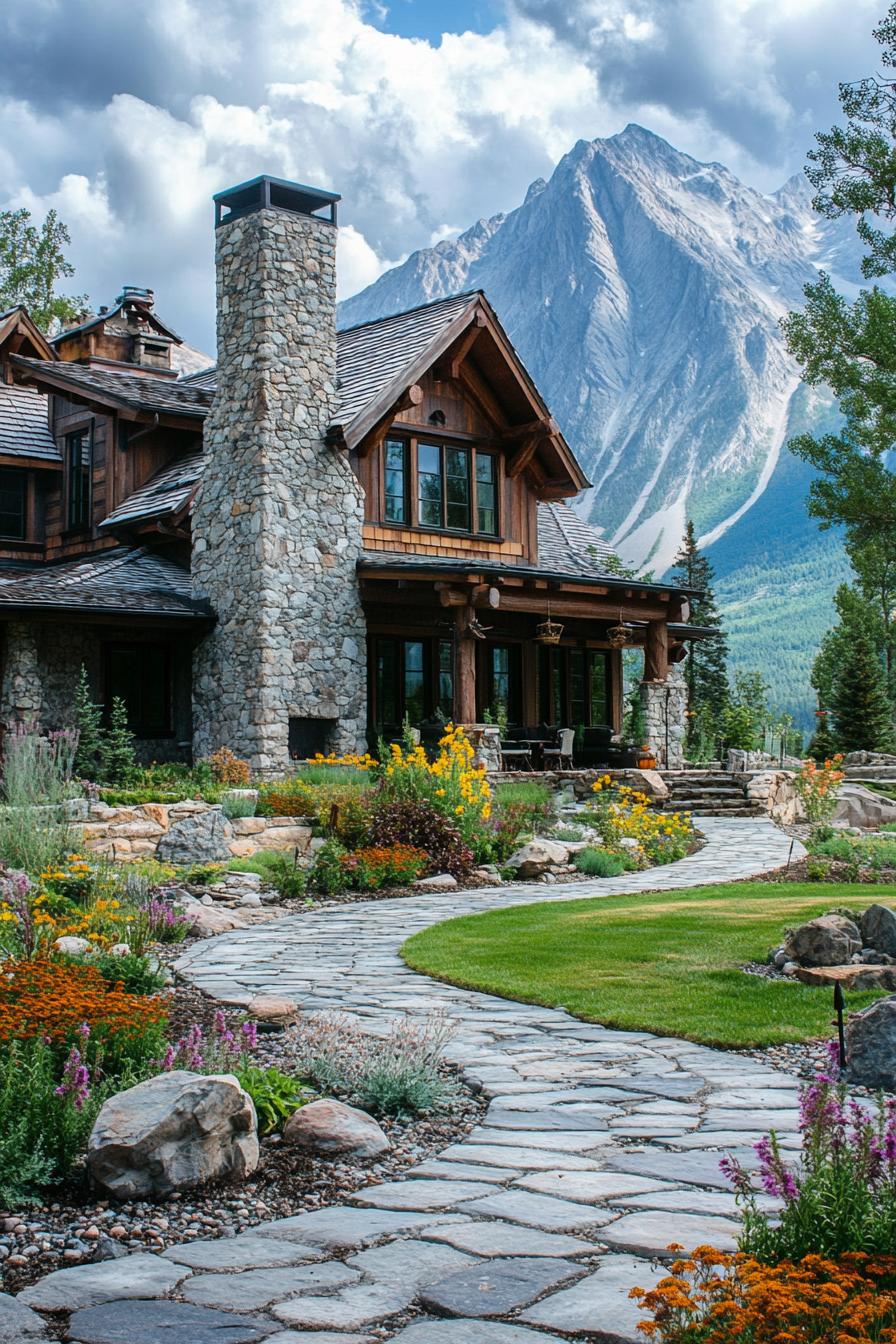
(277, 518)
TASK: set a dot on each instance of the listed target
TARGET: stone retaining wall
(189, 831)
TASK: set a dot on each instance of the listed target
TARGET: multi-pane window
(140, 675)
(413, 679)
(574, 687)
(446, 678)
(440, 486)
(396, 482)
(77, 451)
(13, 504)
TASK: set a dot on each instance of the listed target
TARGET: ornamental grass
(712, 1298)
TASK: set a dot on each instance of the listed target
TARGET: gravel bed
(74, 1228)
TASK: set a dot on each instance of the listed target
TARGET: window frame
(9, 537)
(473, 452)
(142, 730)
(84, 470)
(555, 675)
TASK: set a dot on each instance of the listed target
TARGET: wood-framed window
(140, 675)
(78, 468)
(503, 685)
(440, 486)
(13, 504)
(574, 687)
(413, 679)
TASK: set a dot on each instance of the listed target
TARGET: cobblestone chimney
(277, 518)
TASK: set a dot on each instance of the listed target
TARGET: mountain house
(325, 534)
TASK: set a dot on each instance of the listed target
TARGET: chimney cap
(265, 193)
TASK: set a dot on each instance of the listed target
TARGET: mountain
(644, 290)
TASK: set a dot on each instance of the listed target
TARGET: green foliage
(202, 874)
(747, 713)
(863, 712)
(89, 722)
(598, 862)
(277, 867)
(823, 744)
(634, 727)
(32, 261)
(137, 974)
(118, 761)
(419, 824)
(238, 805)
(276, 1095)
(706, 668)
(328, 875)
(34, 831)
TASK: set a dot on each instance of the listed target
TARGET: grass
(523, 793)
(667, 963)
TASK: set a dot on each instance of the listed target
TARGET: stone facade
(277, 518)
(665, 709)
(137, 832)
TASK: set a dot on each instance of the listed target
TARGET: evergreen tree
(706, 668)
(823, 745)
(863, 715)
(118, 762)
(88, 721)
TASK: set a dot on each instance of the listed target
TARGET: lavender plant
(841, 1196)
(35, 832)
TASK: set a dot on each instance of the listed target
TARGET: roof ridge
(404, 312)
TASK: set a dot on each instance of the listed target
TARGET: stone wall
(277, 518)
(774, 790)
(665, 709)
(201, 828)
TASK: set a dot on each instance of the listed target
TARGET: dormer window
(441, 487)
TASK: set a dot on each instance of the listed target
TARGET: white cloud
(129, 118)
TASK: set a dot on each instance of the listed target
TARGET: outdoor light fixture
(618, 635)
(548, 632)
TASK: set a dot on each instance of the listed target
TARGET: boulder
(274, 1009)
(208, 919)
(650, 782)
(19, 1323)
(438, 882)
(173, 1132)
(878, 925)
(538, 857)
(70, 946)
(120, 950)
(333, 1128)
(858, 806)
(871, 1045)
(850, 977)
(829, 940)
(196, 837)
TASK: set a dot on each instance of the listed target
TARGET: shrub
(817, 786)
(229, 769)
(598, 862)
(117, 757)
(278, 868)
(422, 826)
(327, 874)
(450, 784)
(53, 1000)
(384, 866)
(395, 1075)
(37, 770)
(841, 1198)
(711, 1298)
(817, 870)
(238, 805)
(276, 1095)
(202, 874)
(520, 808)
(286, 798)
(133, 973)
(89, 724)
(620, 812)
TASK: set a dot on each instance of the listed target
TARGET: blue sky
(431, 18)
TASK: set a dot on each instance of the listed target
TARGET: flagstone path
(598, 1149)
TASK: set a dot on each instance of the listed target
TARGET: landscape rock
(871, 1045)
(829, 940)
(862, 976)
(198, 837)
(140, 1276)
(173, 1132)
(858, 806)
(438, 882)
(538, 857)
(70, 946)
(332, 1127)
(878, 925)
(18, 1323)
(274, 1009)
(208, 920)
(163, 1323)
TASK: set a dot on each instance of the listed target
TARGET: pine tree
(823, 745)
(706, 668)
(863, 715)
(118, 762)
(88, 720)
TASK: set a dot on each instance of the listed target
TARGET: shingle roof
(24, 428)
(142, 391)
(164, 493)
(125, 581)
(565, 540)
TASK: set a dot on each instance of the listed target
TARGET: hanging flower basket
(548, 632)
(618, 635)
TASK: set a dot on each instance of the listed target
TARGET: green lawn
(666, 963)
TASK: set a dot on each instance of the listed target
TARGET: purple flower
(75, 1085)
(250, 1035)
(734, 1172)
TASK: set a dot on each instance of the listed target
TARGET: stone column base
(665, 709)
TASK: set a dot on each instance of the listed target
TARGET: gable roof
(97, 319)
(136, 390)
(127, 581)
(16, 323)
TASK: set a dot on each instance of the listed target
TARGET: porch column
(464, 667)
(21, 692)
(665, 710)
(656, 651)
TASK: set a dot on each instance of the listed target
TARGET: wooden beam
(412, 396)
(517, 432)
(450, 596)
(586, 607)
(479, 391)
(448, 367)
(523, 456)
(464, 669)
(656, 651)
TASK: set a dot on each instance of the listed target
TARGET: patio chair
(561, 754)
(515, 756)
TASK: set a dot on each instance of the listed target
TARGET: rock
(850, 977)
(164, 1322)
(858, 806)
(70, 946)
(497, 1287)
(198, 837)
(829, 940)
(878, 925)
(120, 950)
(332, 1127)
(487, 876)
(18, 1323)
(208, 919)
(779, 958)
(438, 882)
(790, 967)
(650, 782)
(273, 1008)
(871, 1045)
(871, 957)
(173, 1132)
(538, 857)
(251, 899)
(141, 1276)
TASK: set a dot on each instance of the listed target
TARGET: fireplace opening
(307, 737)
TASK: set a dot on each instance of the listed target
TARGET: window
(440, 486)
(396, 482)
(574, 687)
(504, 681)
(140, 674)
(413, 679)
(13, 504)
(78, 462)
(446, 678)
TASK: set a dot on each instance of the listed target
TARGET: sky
(426, 115)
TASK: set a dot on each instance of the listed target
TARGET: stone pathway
(599, 1148)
